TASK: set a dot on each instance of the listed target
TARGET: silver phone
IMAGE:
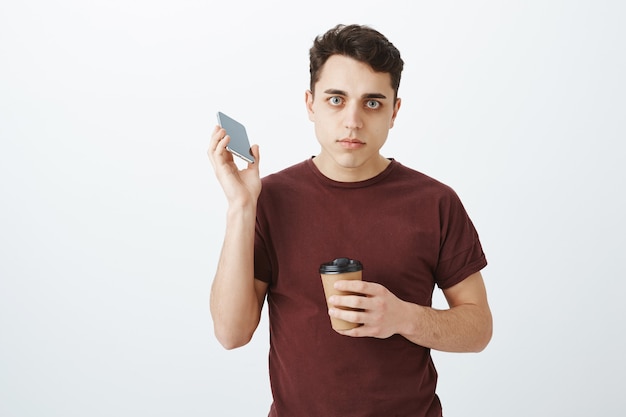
(239, 144)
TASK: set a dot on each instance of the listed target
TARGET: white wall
(111, 221)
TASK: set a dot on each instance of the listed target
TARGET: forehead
(352, 76)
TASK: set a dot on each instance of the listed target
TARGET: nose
(352, 116)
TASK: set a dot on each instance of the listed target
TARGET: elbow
(231, 344)
(232, 330)
(231, 340)
(485, 336)
(483, 342)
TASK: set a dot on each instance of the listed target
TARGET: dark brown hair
(358, 42)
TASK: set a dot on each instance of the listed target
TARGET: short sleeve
(461, 253)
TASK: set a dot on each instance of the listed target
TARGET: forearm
(464, 328)
(235, 306)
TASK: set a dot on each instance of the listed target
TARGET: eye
(372, 104)
(335, 100)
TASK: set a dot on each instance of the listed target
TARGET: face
(353, 109)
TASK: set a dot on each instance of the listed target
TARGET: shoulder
(289, 174)
(286, 183)
(418, 181)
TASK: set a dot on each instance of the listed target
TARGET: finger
(351, 316)
(217, 134)
(351, 301)
(217, 147)
(359, 331)
(358, 286)
(254, 149)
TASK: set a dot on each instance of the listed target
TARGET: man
(408, 230)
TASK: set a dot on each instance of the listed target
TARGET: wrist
(412, 327)
(241, 205)
(241, 210)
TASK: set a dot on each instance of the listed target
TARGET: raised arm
(236, 297)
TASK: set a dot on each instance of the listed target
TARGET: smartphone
(239, 144)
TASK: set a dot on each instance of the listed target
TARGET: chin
(349, 161)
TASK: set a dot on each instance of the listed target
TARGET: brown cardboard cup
(340, 269)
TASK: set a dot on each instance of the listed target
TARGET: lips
(351, 143)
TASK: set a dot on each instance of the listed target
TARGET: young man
(409, 231)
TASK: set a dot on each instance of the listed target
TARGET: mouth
(351, 143)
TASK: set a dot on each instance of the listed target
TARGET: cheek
(381, 132)
(322, 131)
(323, 117)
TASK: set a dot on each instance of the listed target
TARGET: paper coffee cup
(340, 269)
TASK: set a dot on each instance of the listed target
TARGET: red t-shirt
(411, 233)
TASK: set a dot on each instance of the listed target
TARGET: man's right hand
(240, 186)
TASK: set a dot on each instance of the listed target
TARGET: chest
(396, 240)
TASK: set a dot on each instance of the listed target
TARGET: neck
(347, 173)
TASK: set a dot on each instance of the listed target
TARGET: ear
(308, 100)
(396, 108)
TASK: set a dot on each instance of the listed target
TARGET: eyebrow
(343, 93)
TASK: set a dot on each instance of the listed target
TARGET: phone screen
(239, 144)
